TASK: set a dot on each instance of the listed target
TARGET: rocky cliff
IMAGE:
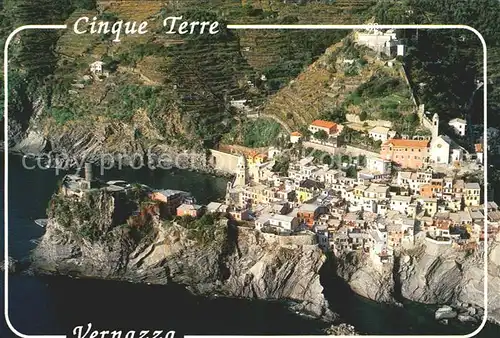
(84, 237)
(365, 278)
(434, 274)
(429, 274)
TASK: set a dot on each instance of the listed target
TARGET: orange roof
(479, 148)
(400, 143)
(324, 124)
(296, 133)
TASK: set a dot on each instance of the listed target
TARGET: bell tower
(241, 172)
(435, 125)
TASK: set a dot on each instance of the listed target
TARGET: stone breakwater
(82, 239)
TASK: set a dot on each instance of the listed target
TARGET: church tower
(435, 126)
(241, 172)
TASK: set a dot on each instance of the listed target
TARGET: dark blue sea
(55, 305)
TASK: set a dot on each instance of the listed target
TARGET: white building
(378, 165)
(440, 150)
(457, 155)
(214, 207)
(401, 50)
(400, 204)
(459, 125)
(323, 237)
(295, 137)
(262, 221)
(377, 191)
(380, 133)
(378, 40)
(96, 67)
(285, 222)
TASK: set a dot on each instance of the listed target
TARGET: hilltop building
(381, 41)
(459, 125)
(97, 67)
(329, 127)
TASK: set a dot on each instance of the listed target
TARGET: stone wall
(354, 151)
(353, 118)
(321, 147)
(284, 240)
(223, 162)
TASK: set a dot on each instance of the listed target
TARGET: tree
(363, 116)
(362, 160)
(351, 172)
(306, 133)
(321, 135)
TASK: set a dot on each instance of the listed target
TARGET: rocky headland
(96, 235)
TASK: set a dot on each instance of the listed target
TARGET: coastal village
(421, 188)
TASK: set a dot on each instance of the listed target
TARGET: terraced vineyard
(327, 85)
(189, 80)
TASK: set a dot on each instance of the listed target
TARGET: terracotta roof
(400, 143)
(324, 124)
(296, 133)
(479, 148)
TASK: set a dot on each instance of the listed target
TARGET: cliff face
(429, 274)
(83, 239)
(365, 278)
(433, 274)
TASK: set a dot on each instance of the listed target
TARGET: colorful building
(169, 200)
(254, 158)
(407, 153)
(192, 210)
(432, 189)
(307, 213)
(295, 137)
(472, 194)
(329, 127)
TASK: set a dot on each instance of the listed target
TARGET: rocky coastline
(430, 274)
(84, 239)
(100, 145)
(419, 275)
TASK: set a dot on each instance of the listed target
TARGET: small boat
(42, 222)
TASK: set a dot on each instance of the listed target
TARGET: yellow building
(304, 194)
(258, 194)
(472, 194)
(255, 158)
(430, 206)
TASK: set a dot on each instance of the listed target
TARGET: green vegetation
(62, 115)
(195, 81)
(281, 165)
(336, 114)
(260, 133)
(359, 139)
(321, 135)
(204, 230)
(380, 85)
(383, 96)
(322, 157)
(351, 172)
(449, 61)
(67, 211)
